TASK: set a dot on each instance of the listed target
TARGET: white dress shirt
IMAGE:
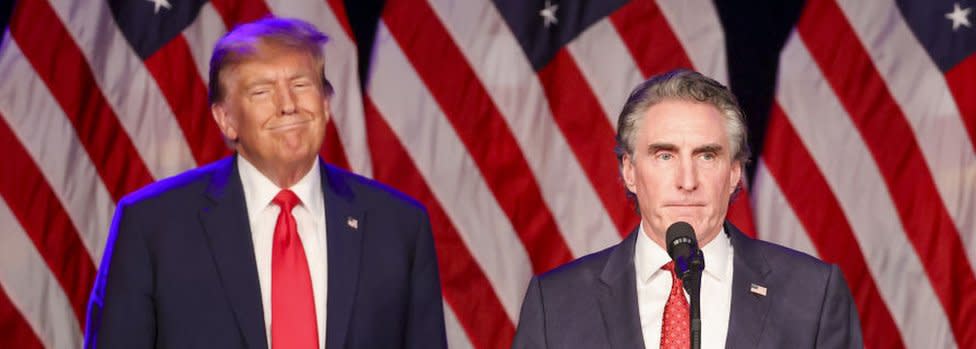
(310, 219)
(654, 287)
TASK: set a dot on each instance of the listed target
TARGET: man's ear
(227, 126)
(735, 175)
(628, 171)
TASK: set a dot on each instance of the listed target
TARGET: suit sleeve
(839, 323)
(425, 323)
(121, 312)
(531, 326)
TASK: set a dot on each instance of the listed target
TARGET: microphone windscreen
(681, 240)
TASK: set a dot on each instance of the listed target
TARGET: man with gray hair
(682, 148)
(269, 247)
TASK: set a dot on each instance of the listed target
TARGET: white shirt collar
(259, 190)
(649, 257)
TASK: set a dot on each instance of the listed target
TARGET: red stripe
(332, 150)
(821, 215)
(740, 213)
(885, 129)
(963, 87)
(584, 124)
(173, 69)
(476, 119)
(59, 62)
(235, 12)
(649, 37)
(15, 332)
(39, 212)
(464, 285)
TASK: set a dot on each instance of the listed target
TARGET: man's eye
(708, 156)
(665, 156)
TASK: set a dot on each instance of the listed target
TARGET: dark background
(755, 31)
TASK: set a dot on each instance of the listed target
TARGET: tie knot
(286, 199)
(669, 266)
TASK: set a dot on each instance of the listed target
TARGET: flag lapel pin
(352, 223)
(757, 289)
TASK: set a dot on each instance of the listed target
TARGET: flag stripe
(580, 118)
(464, 285)
(235, 12)
(893, 145)
(16, 331)
(650, 39)
(775, 218)
(31, 287)
(611, 83)
(825, 127)
(500, 161)
(125, 84)
(466, 198)
(45, 221)
(173, 68)
(695, 25)
(59, 63)
(960, 81)
(492, 50)
(456, 337)
(201, 36)
(907, 68)
(811, 200)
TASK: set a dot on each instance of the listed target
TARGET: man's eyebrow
(656, 147)
(709, 148)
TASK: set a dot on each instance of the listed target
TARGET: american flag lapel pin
(757, 289)
(352, 223)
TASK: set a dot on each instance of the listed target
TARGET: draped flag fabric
(499, 116)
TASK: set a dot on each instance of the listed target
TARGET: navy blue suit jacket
(179, 268)
(592, 302)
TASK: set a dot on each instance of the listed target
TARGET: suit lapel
(618, 296)
(228, 232)
(748, 314)
(345, 224)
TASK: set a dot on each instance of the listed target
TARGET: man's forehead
(673, 121)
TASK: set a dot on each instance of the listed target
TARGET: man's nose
(687, 177)
(286, 101)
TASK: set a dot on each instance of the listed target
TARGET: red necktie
(293, 323)
(676, 325)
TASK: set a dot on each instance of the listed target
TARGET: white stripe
(128, 87)
(456, 338)
(32, 288)
(920, 90)
(607, 65)
(492, 52)
(41, 126)
(824, 127)
(695, 23)
(341, 67)
(452, 175)
(775, 220)
(202, 35)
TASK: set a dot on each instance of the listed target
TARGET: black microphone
(688, 265)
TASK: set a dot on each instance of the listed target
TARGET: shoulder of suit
(782, 256)
(374, 191)
(190, 182)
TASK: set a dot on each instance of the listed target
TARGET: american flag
(499, 116)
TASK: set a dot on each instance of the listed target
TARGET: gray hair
(684, 85)
(241, 43)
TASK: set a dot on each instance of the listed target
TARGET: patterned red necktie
(293, 323)
(676, 325)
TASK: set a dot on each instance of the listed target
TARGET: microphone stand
(692, 283)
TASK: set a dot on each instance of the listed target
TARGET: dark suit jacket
(592, 302)
(179, 268)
